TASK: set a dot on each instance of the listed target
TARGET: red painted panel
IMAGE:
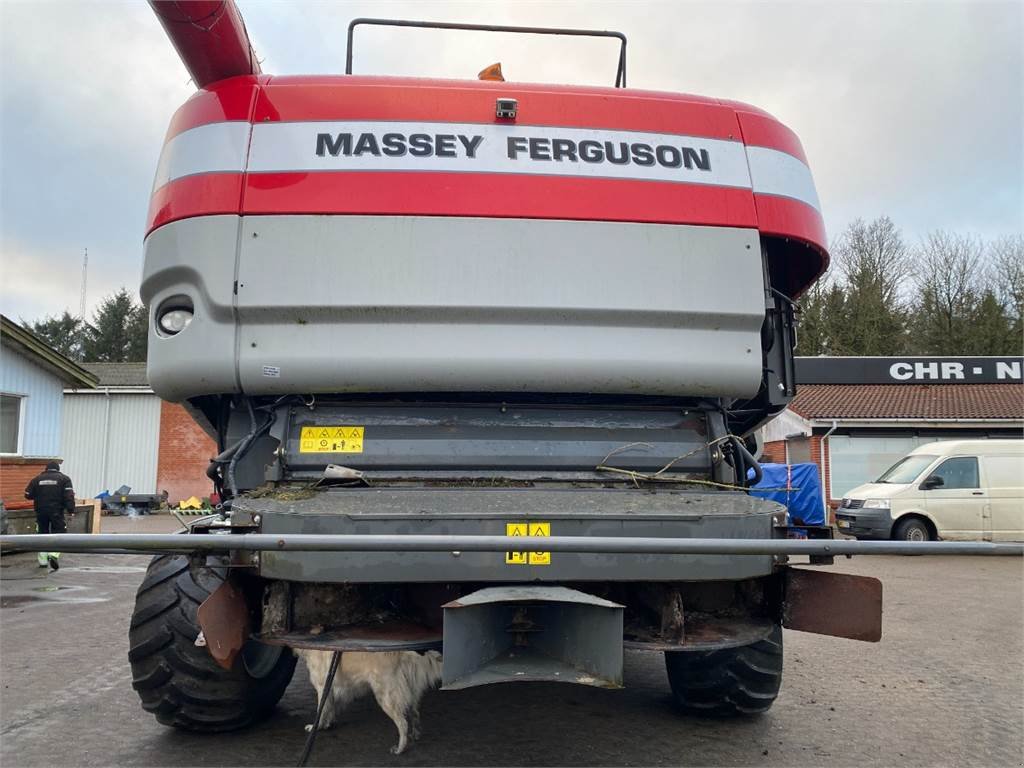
(787, 217)
(497, 195)
(228, 100)
(794, 220)
(760, 130)
(204, 194)
(352, 99)
(373, 98)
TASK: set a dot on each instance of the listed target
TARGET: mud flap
(524, 633)
(835, 604)
(224, 620)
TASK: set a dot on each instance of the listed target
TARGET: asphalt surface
(944, 687)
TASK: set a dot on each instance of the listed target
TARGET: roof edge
(66, 369)
(842, 421)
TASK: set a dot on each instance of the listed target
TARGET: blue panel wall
(43, 404)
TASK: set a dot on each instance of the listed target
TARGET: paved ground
(944, 687)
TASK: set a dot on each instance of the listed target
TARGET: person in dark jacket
(52, 495)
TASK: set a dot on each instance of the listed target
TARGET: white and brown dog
(397, 679)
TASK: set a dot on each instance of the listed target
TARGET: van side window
(961, 472)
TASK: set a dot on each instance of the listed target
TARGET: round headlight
(174, 321)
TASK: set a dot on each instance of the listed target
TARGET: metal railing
(128, 543)
(620, 72)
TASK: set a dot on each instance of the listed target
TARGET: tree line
(117, 333)
(951, 294)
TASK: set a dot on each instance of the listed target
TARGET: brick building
(120, 433)
(32, 379)
(855, 417)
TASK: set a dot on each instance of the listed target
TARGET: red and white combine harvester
(484, 361)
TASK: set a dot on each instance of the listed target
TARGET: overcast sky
(913, 110)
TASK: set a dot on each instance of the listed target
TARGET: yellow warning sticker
(540, 529)
(331, 439)
(528, 529)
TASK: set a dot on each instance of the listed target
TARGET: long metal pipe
(290, 542)
(210, 38)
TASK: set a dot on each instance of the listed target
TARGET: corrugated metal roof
(910, 401)
(119, 374)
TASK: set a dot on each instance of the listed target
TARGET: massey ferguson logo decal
(532, 148)
(397, 145)
(353, 146)
(617, 152)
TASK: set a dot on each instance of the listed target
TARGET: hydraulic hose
(745, 460)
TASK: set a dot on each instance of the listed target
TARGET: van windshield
(906, 469)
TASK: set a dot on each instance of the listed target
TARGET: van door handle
(977, 493)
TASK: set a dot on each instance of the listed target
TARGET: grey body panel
(570, 511)
(333, 304)
(403, 441)
(194, 258)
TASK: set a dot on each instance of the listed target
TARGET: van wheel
(730, 681)
(911, 529)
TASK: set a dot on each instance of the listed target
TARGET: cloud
(86, 92)
(908, 109)
(34, 285)
(913, 110)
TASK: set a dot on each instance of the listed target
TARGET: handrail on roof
(620, 73)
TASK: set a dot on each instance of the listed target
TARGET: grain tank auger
(483, 361)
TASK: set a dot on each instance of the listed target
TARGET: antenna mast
(85, 273)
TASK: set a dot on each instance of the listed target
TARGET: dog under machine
(398, 681)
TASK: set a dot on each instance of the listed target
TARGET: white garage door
(110, 442)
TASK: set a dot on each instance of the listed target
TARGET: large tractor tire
(179, 682)
(730, 681)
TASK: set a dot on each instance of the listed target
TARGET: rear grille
(852, 503)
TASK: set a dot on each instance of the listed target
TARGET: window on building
(10, 423)
(857, 460)
(961, 472)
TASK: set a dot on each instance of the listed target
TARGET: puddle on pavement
(16, 600)
(103, 569)
(51, 594)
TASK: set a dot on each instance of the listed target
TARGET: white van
(956, 489)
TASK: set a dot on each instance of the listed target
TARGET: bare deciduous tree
(873, 266)
(957, 311)
(1006, 256)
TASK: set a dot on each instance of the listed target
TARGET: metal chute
(209, 36)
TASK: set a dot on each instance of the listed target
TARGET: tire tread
(730, 681)
(179, 683)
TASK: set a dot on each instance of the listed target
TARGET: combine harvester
(484, 361)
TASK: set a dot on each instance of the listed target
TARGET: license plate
(843, 523)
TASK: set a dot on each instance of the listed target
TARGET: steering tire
(180, 683)
(728, 682)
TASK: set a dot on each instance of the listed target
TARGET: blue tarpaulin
(803, 499)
